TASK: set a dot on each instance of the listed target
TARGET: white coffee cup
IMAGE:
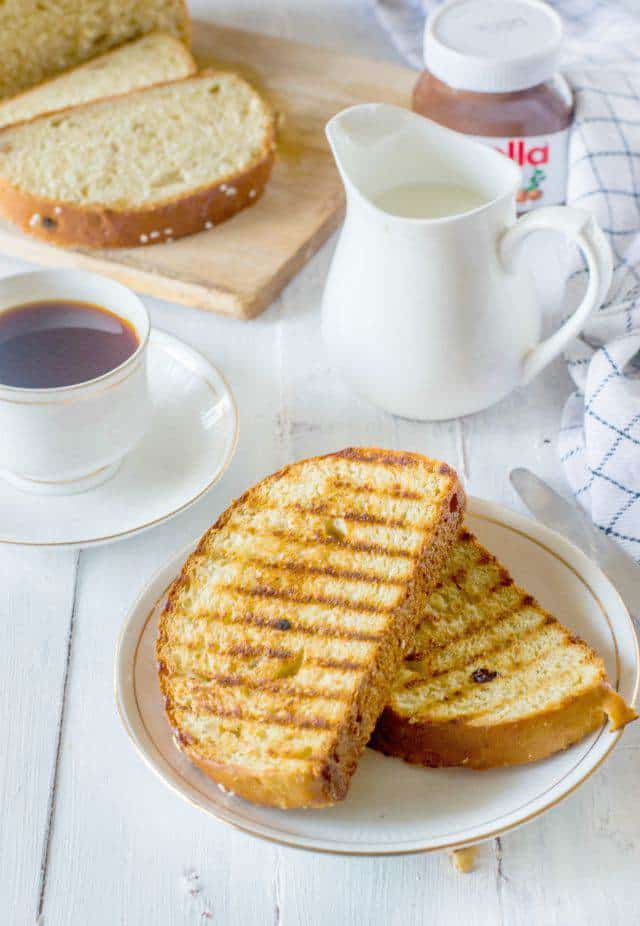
(67, 439)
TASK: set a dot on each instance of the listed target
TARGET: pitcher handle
(581, 228)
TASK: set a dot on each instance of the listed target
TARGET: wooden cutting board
(239, 267)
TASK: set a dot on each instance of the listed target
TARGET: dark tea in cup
(49, 344)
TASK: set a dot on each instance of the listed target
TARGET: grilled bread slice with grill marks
(283, 633)
(493, 679)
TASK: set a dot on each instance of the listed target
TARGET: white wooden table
(89, 836)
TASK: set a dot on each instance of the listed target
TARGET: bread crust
(69, 224)
(485, 746)
(325, 782)
(184, 24)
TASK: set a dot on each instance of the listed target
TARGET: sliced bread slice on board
(286, 627)
(493, 679)
(142, 168)
(153, 59)
(41, 38)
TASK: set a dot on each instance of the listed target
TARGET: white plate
(392, 807)
(189, 445)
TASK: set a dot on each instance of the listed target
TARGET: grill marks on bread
(489, 673)
(478, 619)
(284, 628)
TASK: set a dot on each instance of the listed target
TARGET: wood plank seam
(500, 878)
(283, 418)
(277, 888)
(461, 448)
(51, 806)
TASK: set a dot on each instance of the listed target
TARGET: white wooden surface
(89, 836)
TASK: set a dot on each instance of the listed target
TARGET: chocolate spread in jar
(491, 76)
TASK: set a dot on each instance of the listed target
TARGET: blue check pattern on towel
(599, 441)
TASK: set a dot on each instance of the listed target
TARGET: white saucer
(189, 445)
(394, 808)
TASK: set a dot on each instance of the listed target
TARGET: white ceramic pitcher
(436, 318)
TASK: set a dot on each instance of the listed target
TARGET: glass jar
(491, 75)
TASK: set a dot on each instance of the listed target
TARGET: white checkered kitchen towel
(599, 440)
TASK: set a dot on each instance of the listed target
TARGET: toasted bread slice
(141, 168)
(153, 59)
(493, 679)
(41, 38)
(285, 629)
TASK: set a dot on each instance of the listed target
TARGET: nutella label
(543, 161)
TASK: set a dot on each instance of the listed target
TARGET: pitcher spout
(367, 135)
(377, 146)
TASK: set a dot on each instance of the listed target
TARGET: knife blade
(568, 519)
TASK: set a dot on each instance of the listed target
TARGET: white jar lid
(492, 46)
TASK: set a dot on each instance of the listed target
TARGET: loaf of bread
(142, 168)
(153, 59)
(283, 633)
(41, 38)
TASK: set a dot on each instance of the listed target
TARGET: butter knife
(568, 519)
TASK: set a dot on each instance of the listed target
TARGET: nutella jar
(491, 75)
